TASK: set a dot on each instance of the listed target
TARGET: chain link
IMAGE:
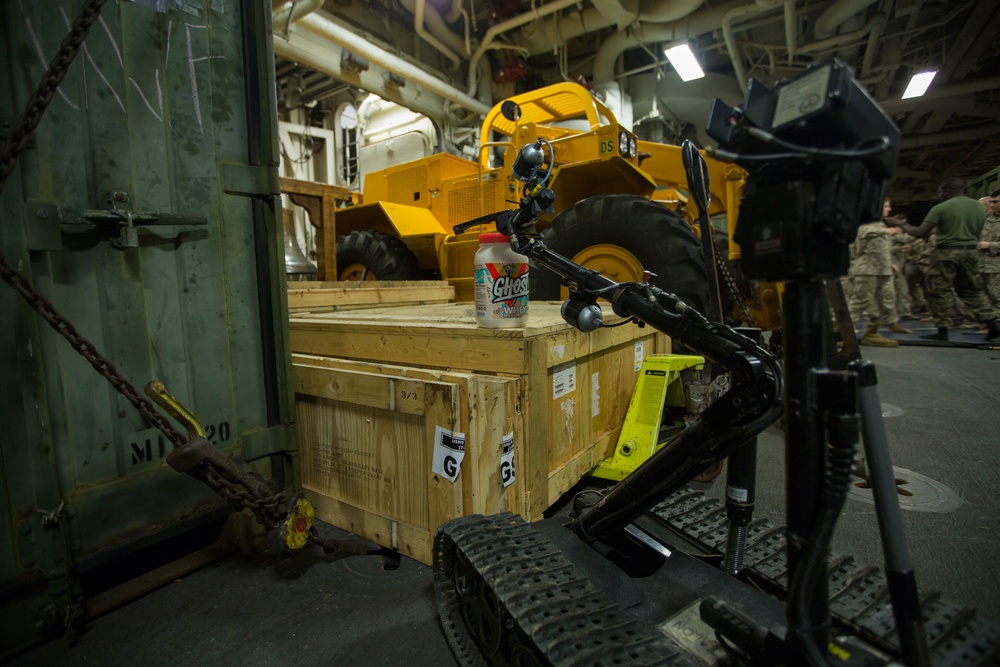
(24, 129)
(101, 364)
(272, 508)
(735, 291)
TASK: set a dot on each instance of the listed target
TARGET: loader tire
(635, 228)
(371, 255)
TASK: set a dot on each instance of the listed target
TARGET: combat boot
(942, 335)
(896, 327)
(992, 330)
(875, 339)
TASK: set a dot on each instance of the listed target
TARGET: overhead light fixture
(682, 58)
(919, 84)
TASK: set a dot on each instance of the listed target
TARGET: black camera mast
(819, 152)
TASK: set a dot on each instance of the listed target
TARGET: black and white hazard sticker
(449, 450)
(507, 460)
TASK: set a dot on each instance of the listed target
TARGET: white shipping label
(507, 475)
(563, 380)
(595, 395)
(640, 354)
(736, 494)
(449, 450)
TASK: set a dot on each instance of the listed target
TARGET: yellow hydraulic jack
(659, 385)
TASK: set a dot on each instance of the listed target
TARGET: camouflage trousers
(915, 287)
(875, 296)
(904, 304)
(959, 269)
(991, 281)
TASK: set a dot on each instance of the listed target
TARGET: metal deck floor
(942, 417)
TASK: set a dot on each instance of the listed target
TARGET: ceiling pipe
(422, 13)
(968, 39)
(657, 11)
(791, 29)
(967, 87)
(873, 39)
(431, 106)
(287, 12)
(319, 24)
(698, 23)
(418, 24)
(729, 36)
(559, 30)
(830, 43)
(507, 25)
(833, 16)
(893, 49)
(952, 137)
(647, 11)
(616, 11)
(454, 11)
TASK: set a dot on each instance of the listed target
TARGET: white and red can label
(501, 292)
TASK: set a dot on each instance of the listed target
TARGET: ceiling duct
(698, 23)
(836, 14)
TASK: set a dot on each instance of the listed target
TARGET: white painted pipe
(834, 15)
(287, 13)
(698, 23)
(454, 11)
(729, 36)
(321, 25)
(791, 29)
(836, 41)
(431, 106)
(657, 11)
(422, 13)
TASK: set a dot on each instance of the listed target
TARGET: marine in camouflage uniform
(872, 290)
(898, 240)
(989, 249)
(917, 261)
(957, 221)
(871, 274)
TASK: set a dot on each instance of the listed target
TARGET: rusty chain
(24, 129)
(735, 290)
(270, 508)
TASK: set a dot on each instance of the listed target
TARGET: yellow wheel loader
(621, 206)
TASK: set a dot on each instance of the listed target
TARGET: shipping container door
(166, 119)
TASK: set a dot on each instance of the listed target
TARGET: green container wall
(172, 102)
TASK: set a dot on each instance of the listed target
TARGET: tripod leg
(899, 571)
(741, 489)
(741, 474)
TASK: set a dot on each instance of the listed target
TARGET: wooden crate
(574, 388)
(366, 436)
(317, 297)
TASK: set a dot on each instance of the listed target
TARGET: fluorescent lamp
(919, 84)
(683, 60)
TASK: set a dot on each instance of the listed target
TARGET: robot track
(508, 595)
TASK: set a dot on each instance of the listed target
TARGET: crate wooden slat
(316, 296)
(377, 423)
(566, 432)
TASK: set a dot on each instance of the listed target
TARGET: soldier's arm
(921, 231)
